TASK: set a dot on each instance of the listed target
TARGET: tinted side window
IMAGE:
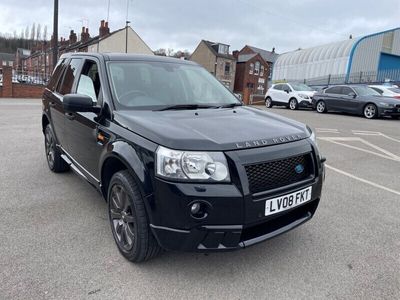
(334, 90)
(58, 70)
(346, 90)
(278, 87)
(285, 87)
(69, 76)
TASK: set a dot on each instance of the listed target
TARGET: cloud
(285, 25)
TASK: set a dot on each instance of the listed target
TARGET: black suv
(181, 162)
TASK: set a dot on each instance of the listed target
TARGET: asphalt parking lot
(56, 243)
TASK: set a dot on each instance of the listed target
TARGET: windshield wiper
(186, 106)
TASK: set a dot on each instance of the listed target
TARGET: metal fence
(36, 78)
(372, 77)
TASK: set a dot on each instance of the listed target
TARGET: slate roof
(210, 44)
(7, 57)
(245, 57)
(267, 55)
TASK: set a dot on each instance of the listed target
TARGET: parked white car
(387, 90)
(292, 95)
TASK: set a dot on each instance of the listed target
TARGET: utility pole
(55, 34)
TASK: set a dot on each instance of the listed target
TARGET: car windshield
(301, 87)
(159, 85)
(365, 91)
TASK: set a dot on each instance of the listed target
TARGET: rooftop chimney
(72, 37)
(103, 30)
(85, 35)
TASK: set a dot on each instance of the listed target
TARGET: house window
(262, 71)
(257, 68)
(250, 85)
(251, 68)
(223, 49)
(227, 68)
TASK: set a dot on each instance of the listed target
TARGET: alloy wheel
(50, 148)
(293, 104)
(268, 102)
(121, 216)
(370, 111)
(320, 107)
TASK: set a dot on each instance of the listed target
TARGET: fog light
(195, 208)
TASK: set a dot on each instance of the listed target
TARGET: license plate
(282, 203)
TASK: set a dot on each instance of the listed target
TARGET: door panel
(82, 128)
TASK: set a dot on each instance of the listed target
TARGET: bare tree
(33, 31)
(45, 33)
(38, 32)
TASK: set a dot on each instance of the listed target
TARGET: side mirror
(79, 103)
(287, 91)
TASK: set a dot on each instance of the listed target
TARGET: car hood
(308, 93)
(212, 129)
(384, 99)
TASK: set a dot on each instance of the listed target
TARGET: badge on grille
(299, 169)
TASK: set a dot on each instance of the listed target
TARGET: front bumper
(235, 217)
(306, 103)
(386, 111)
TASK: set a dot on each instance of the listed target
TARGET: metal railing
(30, 77)
(371, 77)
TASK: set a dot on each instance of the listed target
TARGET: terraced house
(215, 57)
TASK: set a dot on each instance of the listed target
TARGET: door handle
(70, 116)
(52, 104)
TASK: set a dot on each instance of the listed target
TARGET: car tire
(53, 154)
(128, 219)
(370, 111)
(293, 104)
(268, 102)
(321, 107)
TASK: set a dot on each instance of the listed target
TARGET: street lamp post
(55, 33)
(126, 36)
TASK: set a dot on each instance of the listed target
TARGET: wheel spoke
(115, 214)
(128, 235)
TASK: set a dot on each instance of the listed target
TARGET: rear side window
(334, 90)
(378, 90)
(278, 87)
(69, 76)
(56, 75)
(346, 90)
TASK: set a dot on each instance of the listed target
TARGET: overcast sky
(285, 25)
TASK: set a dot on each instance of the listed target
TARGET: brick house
(252, 74)
(215, 58)
(40, 60)
(7, 59)
(269, 56)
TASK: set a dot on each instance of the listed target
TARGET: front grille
(273, 174)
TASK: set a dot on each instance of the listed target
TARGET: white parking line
(338, 140)
(374, 133)
(326, 130)
(363, 180)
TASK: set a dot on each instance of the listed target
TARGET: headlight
(191, 165)
(312, 135)
(386, 104)
(304, 96)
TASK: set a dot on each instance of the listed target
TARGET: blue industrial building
(371, 58)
